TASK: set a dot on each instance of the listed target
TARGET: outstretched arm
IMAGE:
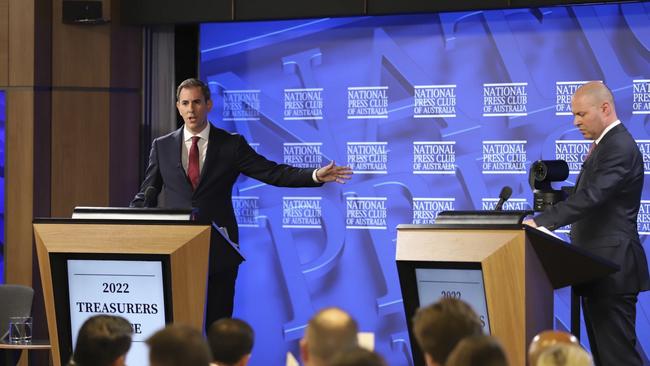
(333, 173)
(530, 222)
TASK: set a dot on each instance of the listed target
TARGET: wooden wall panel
(124, 169)
(126, 53)
(21, 42)
(80, 53)
(80, 148)
(19, 186)
(4, 42)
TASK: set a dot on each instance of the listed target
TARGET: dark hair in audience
(102, 339)
(178, 345)
(440, 326)
(481, 350)
(230, 340)
(193, 83)
(357, 357)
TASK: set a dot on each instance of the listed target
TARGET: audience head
(480, 350)
(564, 354)
(231, 341)
(440, 326)
(103, 340)
(357, 357)
(330, 331)
(547, 339)
(178, 345)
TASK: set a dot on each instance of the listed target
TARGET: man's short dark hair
(230, 340)
(440, 326)
(178, 345)
(193, 83)
(358, 357)
(102, 339)
(480, 350)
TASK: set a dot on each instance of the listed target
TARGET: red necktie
(193, 171)
(591, 149)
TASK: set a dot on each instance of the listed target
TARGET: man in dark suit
(603, 212)
(196, 167)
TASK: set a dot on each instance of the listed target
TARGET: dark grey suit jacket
(227, 156)
(603, 212)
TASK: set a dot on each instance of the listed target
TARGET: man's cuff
(314, 177)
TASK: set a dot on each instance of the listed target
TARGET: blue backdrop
(433, 112)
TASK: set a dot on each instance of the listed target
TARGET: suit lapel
(177, 155)
(592, 158)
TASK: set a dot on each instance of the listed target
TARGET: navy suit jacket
(603, 212)
(227, 156)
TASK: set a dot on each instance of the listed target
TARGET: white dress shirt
(614, 124)
(187, 144)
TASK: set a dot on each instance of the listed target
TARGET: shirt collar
(205, 134)
(607, 129)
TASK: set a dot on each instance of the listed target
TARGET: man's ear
(120, 361)
(606, 108)
(304, 354)
(429, 360)
(244, 360)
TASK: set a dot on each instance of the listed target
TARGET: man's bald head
(593, 109)
(330, 331)
(596, 92)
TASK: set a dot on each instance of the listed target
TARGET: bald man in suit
(196, 167)
(603, 212)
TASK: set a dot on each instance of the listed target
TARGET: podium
(505, 271)
(152, 271)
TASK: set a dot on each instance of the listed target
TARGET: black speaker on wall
(82, 12)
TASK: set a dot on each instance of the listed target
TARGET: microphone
(150, 197)
(506, 192)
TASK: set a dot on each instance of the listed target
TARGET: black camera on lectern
(542, 173)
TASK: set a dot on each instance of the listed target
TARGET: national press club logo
(301, 212)
(505, 99)
(303, 154)
(504, 157)
(434, 157)
(367, 157)
(365, 213)
(643, 219)
(241, 105)
(367, 102)
(247, 209)
(641, 96)
(434, 101)
(564, 91)
(303, 104)
(425, 210)
(518, 204)
(574, 152)
(644, 147)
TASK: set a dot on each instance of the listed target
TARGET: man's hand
(333, 173)
(530, 223)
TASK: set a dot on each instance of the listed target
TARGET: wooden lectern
(182, 248)
(520, 268)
